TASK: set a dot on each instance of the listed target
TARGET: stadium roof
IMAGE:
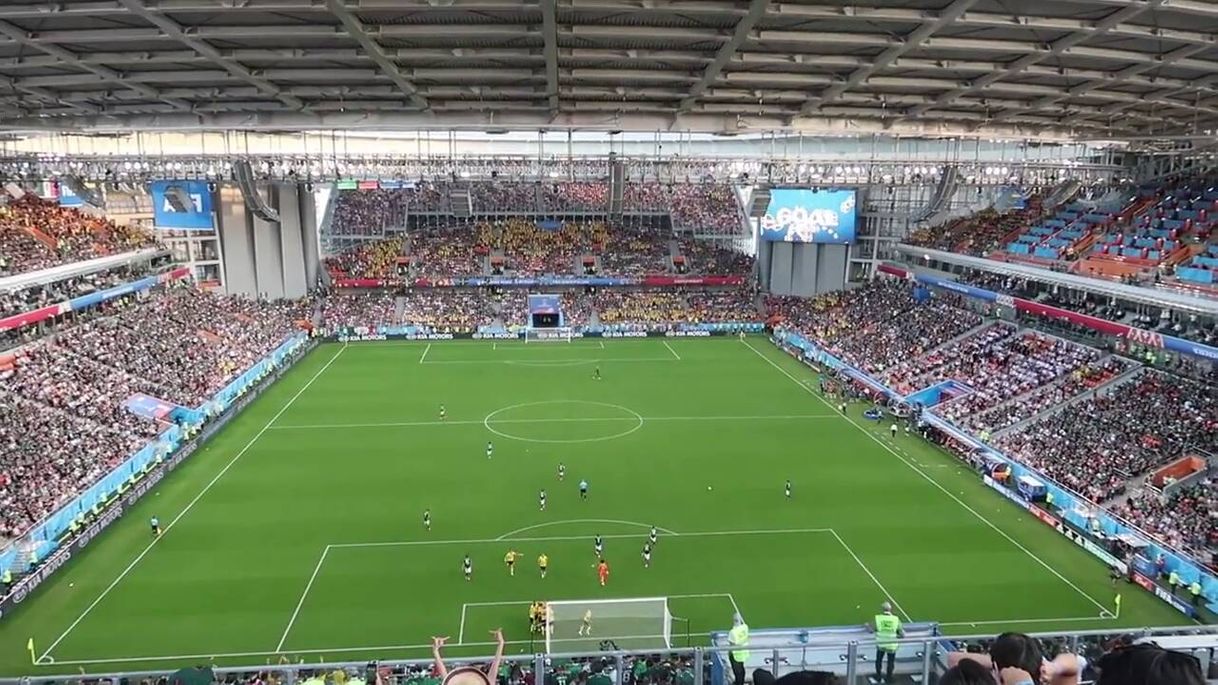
(1028, 68)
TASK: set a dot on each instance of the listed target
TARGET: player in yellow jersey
(543, 564)
(510, 559)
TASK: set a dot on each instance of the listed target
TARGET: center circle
(623, 415)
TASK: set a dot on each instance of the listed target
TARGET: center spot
(563, 421)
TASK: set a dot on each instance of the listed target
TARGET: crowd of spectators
(705, 207)
(1080, 380)
(641, 307)
(186, 341)
(368, 212)
(736, 305)
(376, 259)
(62, 419)
(493, 197)
(1185, 520)
(978, 234)
(575, 196)
(876, 326)
(1118, 433)
(36, 234)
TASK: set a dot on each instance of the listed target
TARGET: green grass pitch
(298, 530)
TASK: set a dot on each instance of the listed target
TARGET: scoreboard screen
(545, 311)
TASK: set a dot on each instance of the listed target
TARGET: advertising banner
(182, 205)
(810, 215)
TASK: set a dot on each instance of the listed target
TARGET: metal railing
(853, 661)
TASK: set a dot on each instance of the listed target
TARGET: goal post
(628, 623)
(558, 334)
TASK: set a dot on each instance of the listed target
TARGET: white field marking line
(567, 521)
(674, 352)
(1020, 621)
(423, 359)
(194, 501)
(495, 346)
(599, 360)
(930, 480)
(615, 600)
(583, 419)
(303, 595)
(336, 650)
(560, 538)
(875, 580)
(461, 630)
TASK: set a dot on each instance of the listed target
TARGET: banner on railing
(85, 301)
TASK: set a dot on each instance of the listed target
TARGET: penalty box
(706, 576)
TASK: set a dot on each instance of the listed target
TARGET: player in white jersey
(787, 489)
(562, 471)
(598, 544)
(653, 536)
(468, 567)
(427, 519)
(443, 413)
(490, 449)
(541, 500)
(646, 555)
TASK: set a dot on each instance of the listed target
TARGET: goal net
(559, 334)
(633, 623)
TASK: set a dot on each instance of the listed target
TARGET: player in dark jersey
(427, 519)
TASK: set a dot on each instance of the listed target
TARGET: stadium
(608, 342)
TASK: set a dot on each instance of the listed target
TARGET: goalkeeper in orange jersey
(602, 572)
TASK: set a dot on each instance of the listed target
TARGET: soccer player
(490, 448)
(541, 498)
(596, 374)
(583, 489)
(787, 489)
(653, 536)
(585, 627)
(646, 555)
(598, 544)
(543, 564)
(427, 519)
(468, 567)
(510, 559)
(562, 471)
(893, 430)
(602, 572)
(443, 413)
(156, 526)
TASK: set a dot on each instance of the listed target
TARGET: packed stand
(35, 234)
(576, 196)
(38, 296)
(737, 305)
(448, 251)
(641, 307)
(374, 260)
(189, 342)
(369, 212)
(1119, 433)
(877, 326)
(645, 197)
(977, 235)
(706, 207)
(446, 310)
(997, 364)
(358, 310)
(1083, 379)
(63, 423)
(492, 197)
(1186, 520)
(711, 257)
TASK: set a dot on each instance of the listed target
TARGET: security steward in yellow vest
(738, 638)
(888, 629)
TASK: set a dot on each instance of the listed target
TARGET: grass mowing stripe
(928, 479)
(190, 505)
(582, 419)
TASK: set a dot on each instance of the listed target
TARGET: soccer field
(298, 530)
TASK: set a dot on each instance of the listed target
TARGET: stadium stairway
(1132, 374)
(399, 308)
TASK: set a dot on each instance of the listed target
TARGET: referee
(738, 638)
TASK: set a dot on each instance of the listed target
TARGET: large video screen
(803, 215)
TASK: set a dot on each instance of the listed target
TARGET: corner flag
(1118, 605)
(30, 646)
